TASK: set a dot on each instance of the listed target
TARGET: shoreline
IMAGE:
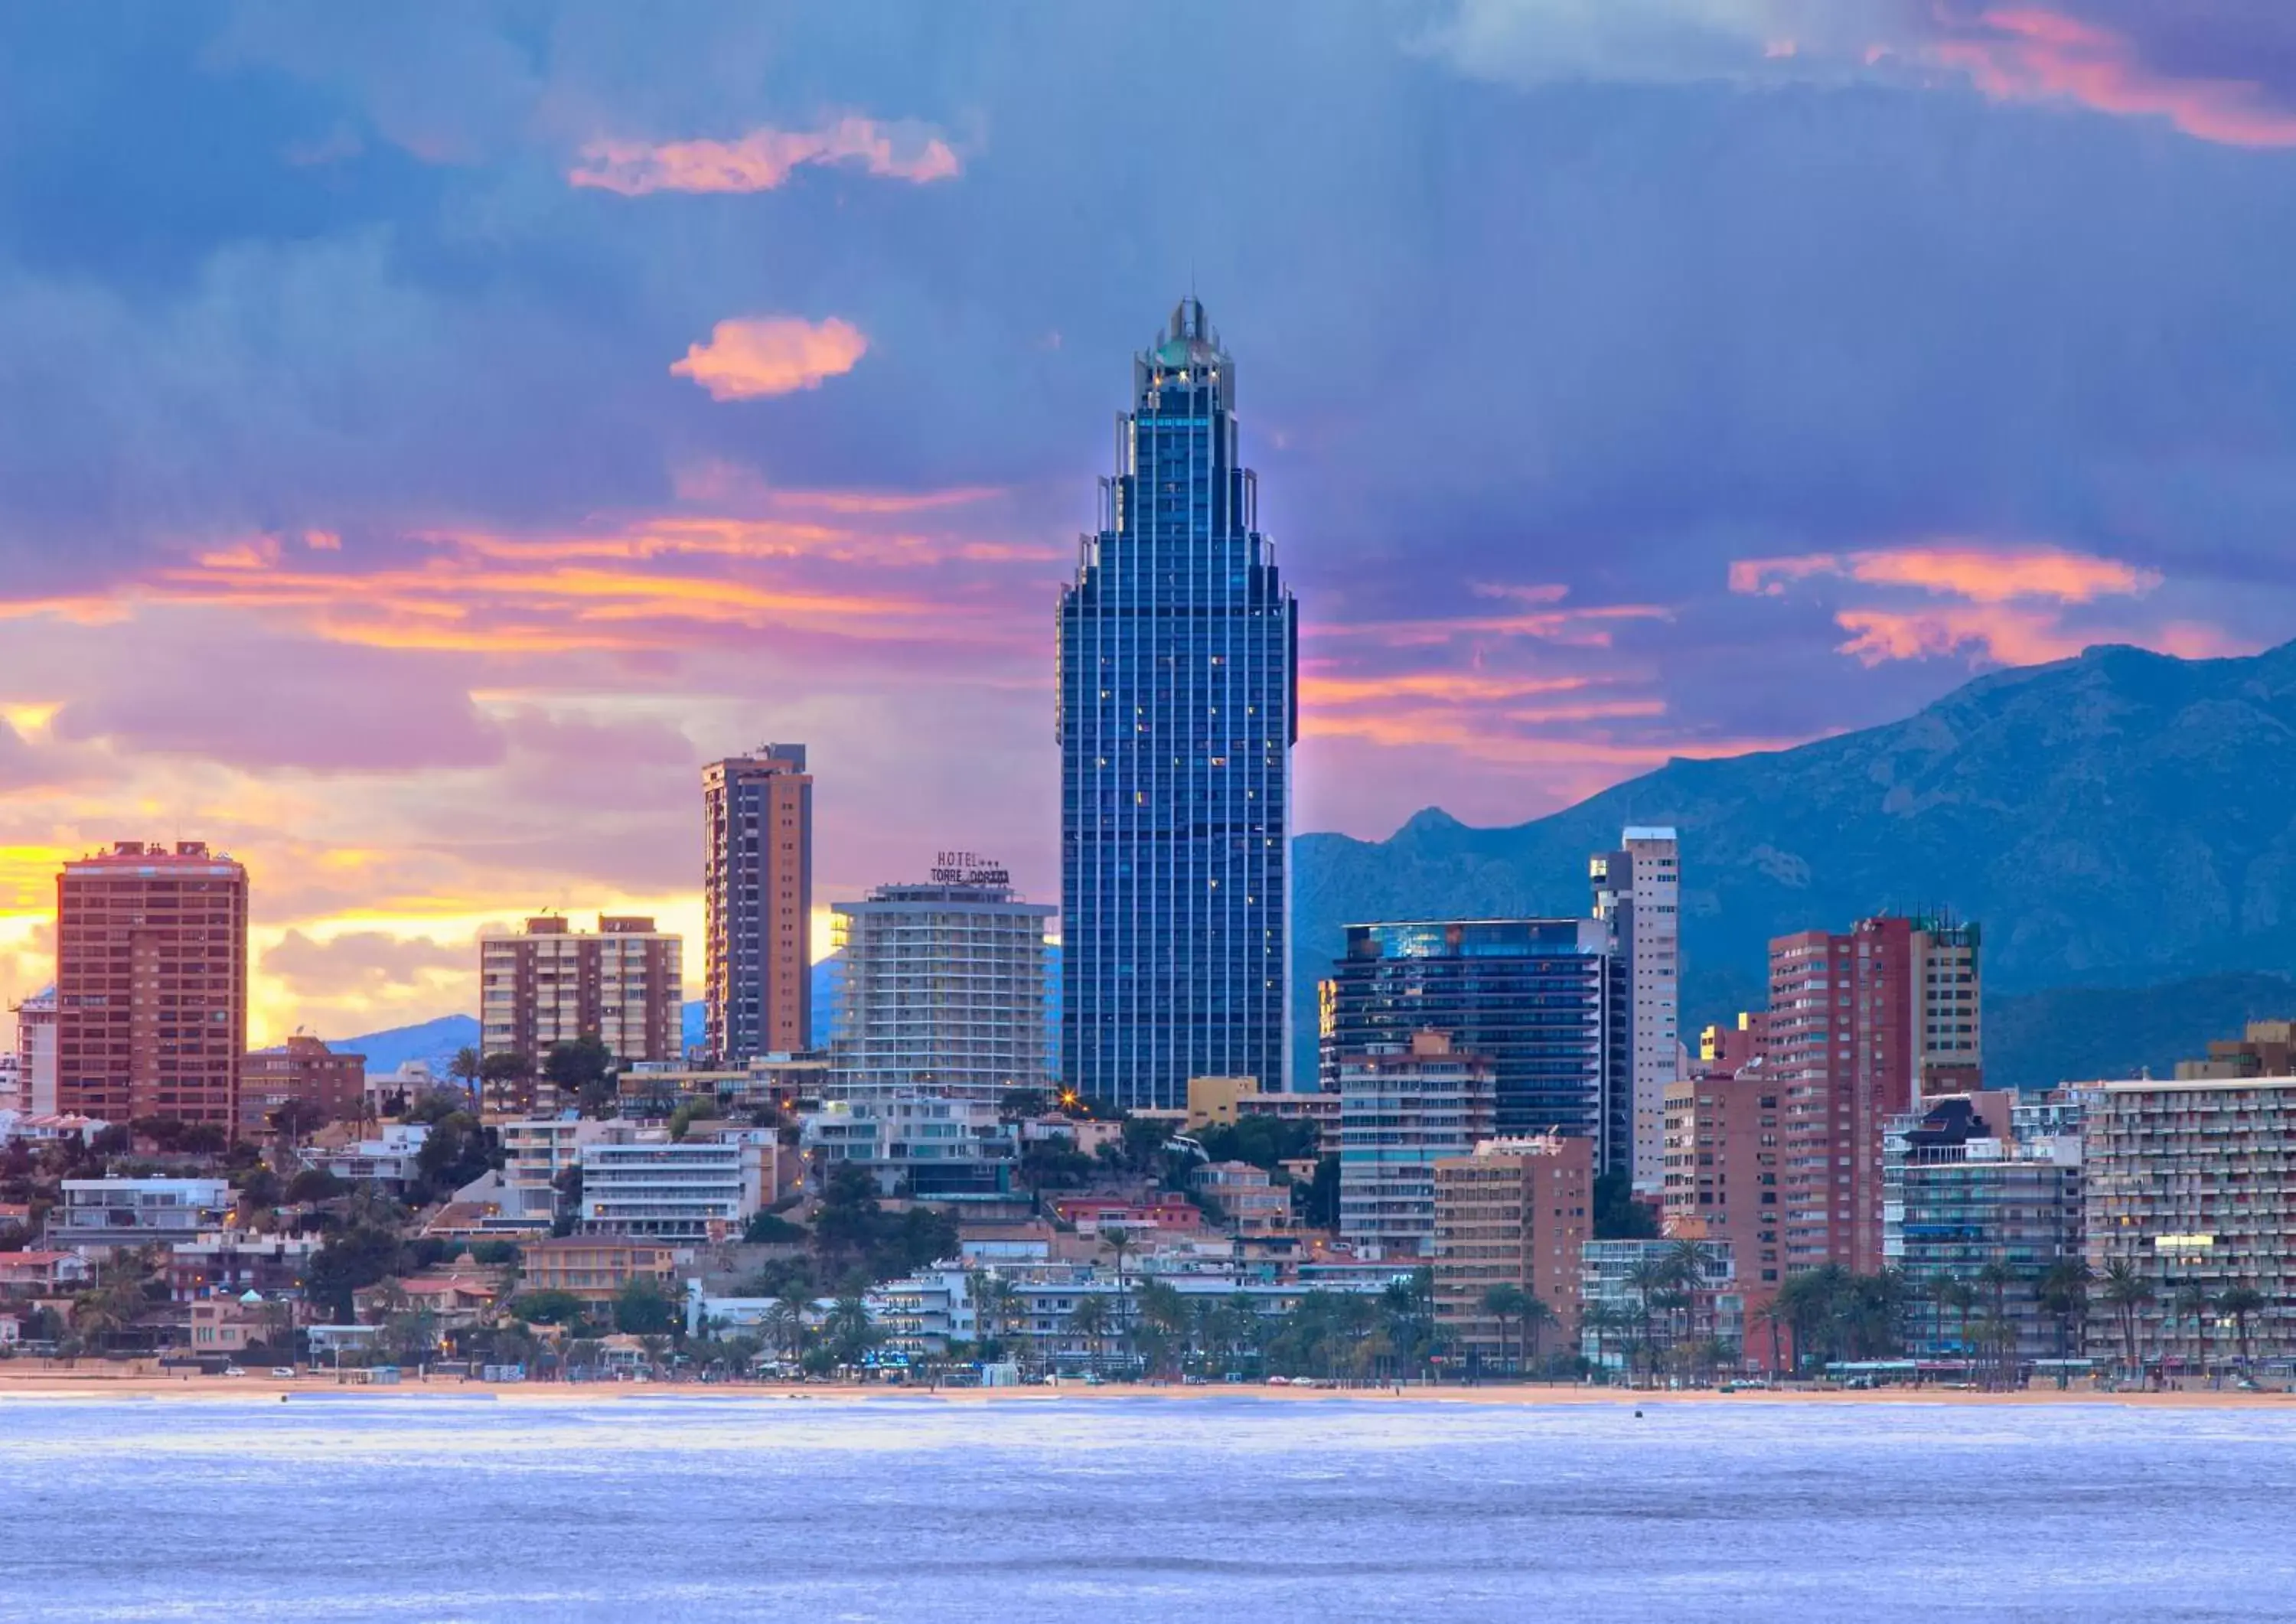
(52, 1385)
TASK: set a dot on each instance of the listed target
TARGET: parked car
(283, 1370)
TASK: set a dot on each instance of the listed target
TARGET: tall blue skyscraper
(1179, 687)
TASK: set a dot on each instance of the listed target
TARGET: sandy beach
(25, 1380)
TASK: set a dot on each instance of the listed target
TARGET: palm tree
(1997, 1277)
(1089, 1320)
(1957, 1297)
(2237, 1304)
(2126, 1291)
(1507, 1304)
(466, 1068)
(1686, 1260)
(2064, 1296)
(1775, 1314)
(784, 1327)
(850, 1330)
(1650, 1278)
(2192, 1301)
(1535, 1314)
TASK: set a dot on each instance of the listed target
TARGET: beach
(22, 1380)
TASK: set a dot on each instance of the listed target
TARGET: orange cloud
(2032, 53)
(764, 159)
(2009, 636)
(751, 356)
(1979, 574)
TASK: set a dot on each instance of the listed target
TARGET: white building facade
(946, 987)
(1639, 888)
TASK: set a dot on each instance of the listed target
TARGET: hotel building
(1723, 1160)
(151, 983)
(945, 987)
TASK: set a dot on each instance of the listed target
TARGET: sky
(428, 432)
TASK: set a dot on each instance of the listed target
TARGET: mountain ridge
(2120, 818)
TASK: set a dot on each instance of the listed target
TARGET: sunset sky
(427, 432)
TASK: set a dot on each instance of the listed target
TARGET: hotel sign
(968, 868)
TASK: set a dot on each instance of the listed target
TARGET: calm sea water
(921, 1509)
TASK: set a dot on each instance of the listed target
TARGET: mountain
(434, 1041)
(2037, 1040)
(2115, 820)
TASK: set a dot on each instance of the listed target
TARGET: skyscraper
(1178, 684)
(1863, 1026)
(758, 900)
(151, 983)
(1639, 887)
(1543, 1000)
(945, 987)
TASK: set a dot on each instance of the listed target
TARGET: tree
(467, 1068)
(313, 1185)
(1089, 1320)
(351, 1261)
(771, 1229)
(784, 1326)
(583, 1070)
(2126, 1291)
(643, 1308)
(2063, 1296)
(1775, 1316)
(456, 1151)
(850, 1331)
(506, 1073)
(550, 1308)
(295, 1120)
(1507, 1304)
(2192, 1302)
(2239, 1304)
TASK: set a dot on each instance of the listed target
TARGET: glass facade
(1178, 708)
(1545, 1000)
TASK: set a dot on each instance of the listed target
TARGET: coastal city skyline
(1554, 510)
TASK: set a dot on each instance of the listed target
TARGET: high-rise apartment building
(1543, 1000)
(1863, 1026)
(548, 984)
(758, 897)
(1723, 1154)
(2192, 1184)
(35, 1053)
(1404, 1108)
(330, 1083)
(1639, 888)
(151, 983)
(1177, 687)
(1961, 1192)
(1512, 1212)
(945, 987)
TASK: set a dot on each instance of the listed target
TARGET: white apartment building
(389, 1160)
(946, 987)
(36, 1056)
(691, 1191)
(1639, 888)
(537, 1151)
(108, 1212)
(924, 1145)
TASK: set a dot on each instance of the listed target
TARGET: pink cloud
(2031, 53)
(749, 357)
(1982, 575)
(764, 159)
(2005, 635)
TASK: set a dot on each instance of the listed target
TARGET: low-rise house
(915, 1144)
(595, 1267)
(47, 1127)
(454, 1299)
(691, 1191)
(1250, 1196)
(1169, 1210)
(233, 1325)
(42, 1274)
(389, 1159)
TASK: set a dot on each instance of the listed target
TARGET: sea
(1107, 1509)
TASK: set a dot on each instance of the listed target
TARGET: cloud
(763, 160)
(1980, 574)
(2032, 52)
(753, 356)
(2003, 635)
(359, 961)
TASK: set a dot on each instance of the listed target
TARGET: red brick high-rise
(758, 904)
(330, 1083)
(1862, 1027)
(151, 983)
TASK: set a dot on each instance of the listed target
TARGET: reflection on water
(424, 1509)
